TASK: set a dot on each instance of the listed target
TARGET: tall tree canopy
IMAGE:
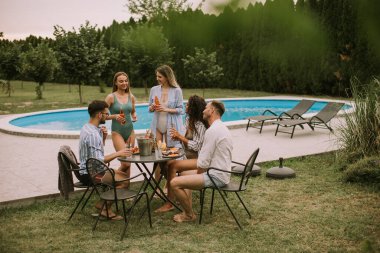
(39, 64)
(82, 54)
(146, 48)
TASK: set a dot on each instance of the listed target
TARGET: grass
(314, 212)
(57, 96)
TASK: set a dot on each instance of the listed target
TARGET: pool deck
(29, 166)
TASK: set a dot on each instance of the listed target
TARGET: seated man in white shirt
(216, 152)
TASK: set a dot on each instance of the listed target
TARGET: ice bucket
(145, 146)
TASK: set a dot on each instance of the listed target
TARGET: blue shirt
(90, 145)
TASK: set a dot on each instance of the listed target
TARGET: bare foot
(183, 217)
(165, 208)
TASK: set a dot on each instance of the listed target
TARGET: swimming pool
(71, 120)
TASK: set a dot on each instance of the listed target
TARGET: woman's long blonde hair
(168, 73)
(114, 87)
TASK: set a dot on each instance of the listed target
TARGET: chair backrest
(247, 172)
(96, 170)
(69, 159)
(302, 107)
(329, 111)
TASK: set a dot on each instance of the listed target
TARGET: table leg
(156, 185)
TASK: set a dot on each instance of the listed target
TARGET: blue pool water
(73, 120)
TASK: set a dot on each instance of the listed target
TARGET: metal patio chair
(237, 185)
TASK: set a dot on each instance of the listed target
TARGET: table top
(153, 158)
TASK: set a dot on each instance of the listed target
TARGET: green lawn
(56, 96)
(314, 212)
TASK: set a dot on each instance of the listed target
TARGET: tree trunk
(39, 90)
(145, 83)
(80, 93)
(9, 88)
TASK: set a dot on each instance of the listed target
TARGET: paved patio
(29, 166)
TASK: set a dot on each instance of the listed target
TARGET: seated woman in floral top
(192, 141)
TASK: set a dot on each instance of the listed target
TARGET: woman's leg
(119, 144)
(186, 167)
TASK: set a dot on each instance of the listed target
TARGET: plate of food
(135, 150)
(171, 152)
(174, 155)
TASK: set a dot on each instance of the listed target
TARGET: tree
(9, 64)
(82, 54)
(202, 68)
(156, 9)
(146, 48)
(39, 64)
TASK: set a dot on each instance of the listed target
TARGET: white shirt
(216, 151)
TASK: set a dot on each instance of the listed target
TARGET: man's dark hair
(96, 106)
(219, 107)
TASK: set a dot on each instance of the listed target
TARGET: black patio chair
(237, 184)
(320, 120)
(69, 163)
(96, 169)
(303, 106)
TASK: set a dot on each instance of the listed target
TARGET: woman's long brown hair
(196, 106)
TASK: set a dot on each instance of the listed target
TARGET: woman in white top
(166, 102)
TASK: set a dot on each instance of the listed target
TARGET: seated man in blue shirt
(92, 139)
(216, 152)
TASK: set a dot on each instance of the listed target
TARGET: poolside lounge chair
(302, 107)
(320, 120)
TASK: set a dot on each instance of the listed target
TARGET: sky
(21, 18)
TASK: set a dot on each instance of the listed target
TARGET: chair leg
(275, 134)
(148, 207)
(241, 201)
(262, 124)
(202, 199)
(76, 207)
(89, 196)
(291, 136)
(212, 200)
(100, 211)
(125, 220)
(246, 129)
(229, 208)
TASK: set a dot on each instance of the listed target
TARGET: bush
(360, 137)
(362, 131)
(366, 170)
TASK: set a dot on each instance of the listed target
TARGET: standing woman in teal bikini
(123, 112)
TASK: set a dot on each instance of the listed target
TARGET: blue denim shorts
(208, 182)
